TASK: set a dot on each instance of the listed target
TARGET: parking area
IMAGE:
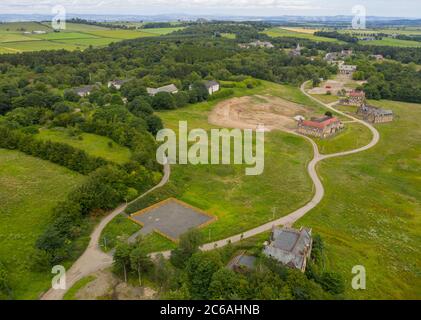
(171, 218)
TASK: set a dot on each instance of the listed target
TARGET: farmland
(281, 32)
(29, 190)
(18, 37)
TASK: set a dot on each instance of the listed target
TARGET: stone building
(320, 127)
(290, 247)
(354, 98)
(375, 115)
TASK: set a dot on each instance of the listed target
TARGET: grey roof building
(171, 88)
(290, 247)
(85, 91)
(374, 114)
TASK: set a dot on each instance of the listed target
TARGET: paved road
(94, 259)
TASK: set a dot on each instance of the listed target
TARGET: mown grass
(370, 214)
(94, 145)
(29, 189)
(355, 135)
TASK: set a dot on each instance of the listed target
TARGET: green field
(92, 144)
(370, 214)
(74, 37)
(280, 32)
(242, 202)
(29, 189)
(393, 43)
(354, 136)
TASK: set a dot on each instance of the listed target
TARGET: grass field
(354, 136)
(242, 202)
(74, 37)
(29, 189)
(370, 215)
(392, 43)
(281, 32)
(92, 144)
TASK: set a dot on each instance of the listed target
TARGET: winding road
(94, 259)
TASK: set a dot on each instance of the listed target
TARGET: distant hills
(326, 20)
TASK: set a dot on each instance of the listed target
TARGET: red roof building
(320, 127)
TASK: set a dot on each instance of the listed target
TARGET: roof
(356, 93)
(119, 82)
(169, 88)
(242, 261)
(210, 84)
(376, 111)
(290, 246)
(85, 89)
(319, 123)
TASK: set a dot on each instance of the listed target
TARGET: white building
(212, 87)
(171, 88)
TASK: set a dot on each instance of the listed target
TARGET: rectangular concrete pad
(172, 218)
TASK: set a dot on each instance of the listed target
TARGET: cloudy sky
(401, 8)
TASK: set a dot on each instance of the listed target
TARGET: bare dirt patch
(251, 111)
(107, 286)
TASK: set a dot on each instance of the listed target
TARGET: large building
(347, 69)
(262, 44)
(375, 115)
(117, 83)
(354, 98)
(320, 127)
(290, 247)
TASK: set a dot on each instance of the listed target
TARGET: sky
(387, 8)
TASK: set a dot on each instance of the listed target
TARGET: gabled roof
(169, 88)
(210, 84)
(290, 246)
(320, 123)
(356, 93)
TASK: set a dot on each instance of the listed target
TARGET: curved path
(293, 217)
(94, 259)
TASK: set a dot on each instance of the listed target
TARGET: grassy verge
(71, 294)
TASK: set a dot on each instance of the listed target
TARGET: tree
(188, 245)
(70, 95)
(140, 261)
(332, 282)
(200, 269)
(154, 124)
(226, 285)
(122, 259)
(163, 101)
